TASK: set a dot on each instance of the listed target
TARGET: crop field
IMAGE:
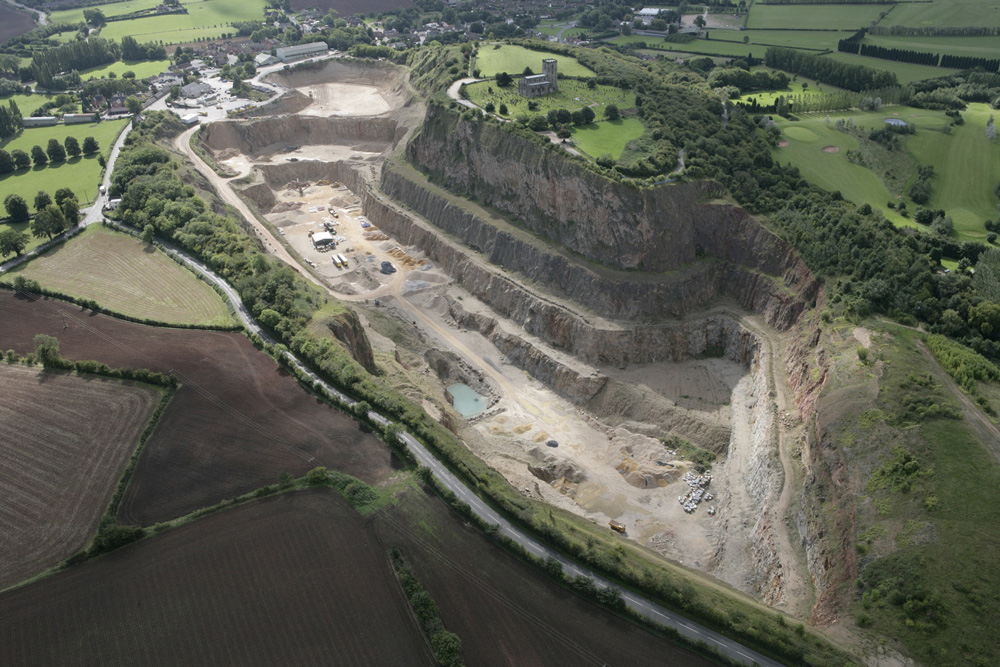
(237, 422)
(122, 274)
(944, 13)
(81, 174)
(608, 136)
(905, 72)
(530, 620)
(495, 58)
(14, 22)
(142, 69)
(572, 95)
(64, 441)
(822, 17)
(292, 579)
(75, 15)
(967, 168)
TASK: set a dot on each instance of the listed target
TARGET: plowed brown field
(64, 441)
(237, 422)
(295, 579)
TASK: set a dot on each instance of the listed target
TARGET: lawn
(205, 18)
(27, 103)
(944, 13)
(491, 60)
(766, 97)
(572, 95)
(905, 72)
(982, 47)
(609, 136)
(967, 169)
(823, 17)
(122, 274)
(142, 69)
(80, 174)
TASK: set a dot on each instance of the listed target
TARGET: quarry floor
(406, 314)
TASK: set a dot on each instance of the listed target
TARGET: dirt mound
(831, 149)
(552, 468)
(284, 206)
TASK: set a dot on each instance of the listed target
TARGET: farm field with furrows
(237, 422)
(14, 22)
(505, 612)
(296, 579)
(64, 441)
(124, 275)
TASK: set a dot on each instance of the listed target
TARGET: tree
(90, 145)
(47, 349)
(503, 109)
(527, 71)
(48, 222)
(12, 241)
(38, 156)
(135, 106)
(62, 194)
(71, 210)
(699, 21)
(588, 115)
(503, 79)
(55, 151)
(611, 112)
(72, 146)
(6, 162)
(21, 159)
(147, 237)
(42, 199)
(17, 208)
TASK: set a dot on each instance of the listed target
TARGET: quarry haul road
(646, 608)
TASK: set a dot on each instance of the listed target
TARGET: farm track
(296, 579)
(236, 423)
(64, 441)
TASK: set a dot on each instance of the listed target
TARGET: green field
(572, 95)
(513, 59)
(905, 72)
(983, 47)
(766, 97)
(27, 103)
(205, 18)
(79, 174)
(122, 274)
(609, 136)
(824, 17)
(142, 69)
(944, 13)
(730, 42)
(967, 169)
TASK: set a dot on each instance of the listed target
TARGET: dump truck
(617, 526)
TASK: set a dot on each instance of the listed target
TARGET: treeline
(842, 75)
(10, 120)
(917, 57)
(133, 50)
(934, 31)
(838, 101)
(824, 2)
(46, 66)
(747, 81)
(970, 62)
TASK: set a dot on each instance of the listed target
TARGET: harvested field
(296, 579)
(530, 620)
(123, 274)
(237, 422)
(14, 22)
(64, 441)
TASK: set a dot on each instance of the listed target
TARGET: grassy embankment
(512, 59)
(124, 275)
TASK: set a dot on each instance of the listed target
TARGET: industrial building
(287, 54)
(77, 118)
(39, 121)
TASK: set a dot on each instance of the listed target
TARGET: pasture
(493, 58)
(572, 95)
(235, 424)
(65, 440)
(821, 17)
(122, 274)
(81, 174)
(905, 72)
(944, 13)
(609, 136)
(980, 47)
(297, 578)
(142, 69)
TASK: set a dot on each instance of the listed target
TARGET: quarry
(626, 345)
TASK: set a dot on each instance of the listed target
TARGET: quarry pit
(315, 161)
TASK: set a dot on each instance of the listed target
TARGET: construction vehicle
(343, 260)
(617, 526)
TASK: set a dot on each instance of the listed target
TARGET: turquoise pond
(466, 401)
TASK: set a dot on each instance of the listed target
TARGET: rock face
(265, 135)
(348, 330)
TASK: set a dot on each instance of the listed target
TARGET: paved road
(455, 95)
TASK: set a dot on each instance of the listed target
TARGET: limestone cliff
(347, 328)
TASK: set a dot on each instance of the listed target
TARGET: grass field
(572, 95)
(609, 136)
(967, 169)
(142, 69)
(823, 17)
(27, 103)
(982, 47)
(513, 59)
(794, 88)
(235, 424)
(944, 13)
(905, 72)
(66, 440)
(205, 18)
(122, 274)
(79, 174)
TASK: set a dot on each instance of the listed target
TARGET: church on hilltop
(540, 84)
